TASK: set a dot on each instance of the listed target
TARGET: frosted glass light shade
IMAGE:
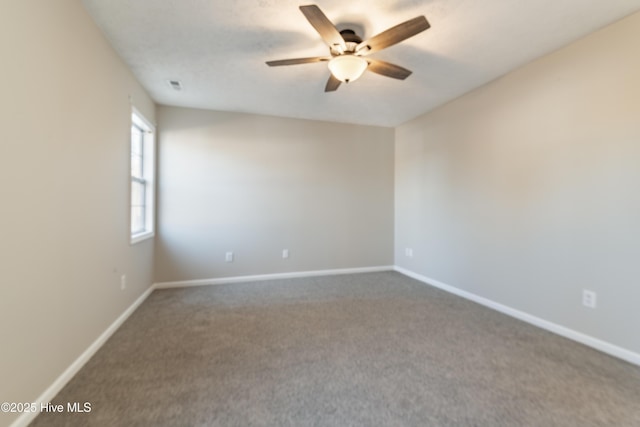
(347, 68)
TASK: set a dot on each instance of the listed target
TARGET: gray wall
(525, 191)
(64, 139)
(256, 185)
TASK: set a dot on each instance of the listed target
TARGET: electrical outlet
(285, 253)
(228, 257)
(123, 282)
(408, 252)
(589, 298)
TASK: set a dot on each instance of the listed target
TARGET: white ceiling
(218, 49)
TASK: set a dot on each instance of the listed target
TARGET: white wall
(525, 191)
(64, 140)
(256, 185)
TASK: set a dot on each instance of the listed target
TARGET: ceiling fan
(347, 51)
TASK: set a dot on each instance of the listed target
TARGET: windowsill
(137, 238)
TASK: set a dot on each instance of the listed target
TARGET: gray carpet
(374, 349)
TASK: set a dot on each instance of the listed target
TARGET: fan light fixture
(347, 68)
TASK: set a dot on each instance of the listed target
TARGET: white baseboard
(26, 417)
(603, 346)
(261, 277)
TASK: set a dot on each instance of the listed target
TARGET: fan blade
(393, 35)
(323, 26)
(387, 69)
(332, 84)
(296, 61)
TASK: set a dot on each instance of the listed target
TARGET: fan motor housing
(350, 36)
(351, 39)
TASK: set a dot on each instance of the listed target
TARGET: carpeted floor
(374, 349)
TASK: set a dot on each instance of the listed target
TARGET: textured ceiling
(218, 49)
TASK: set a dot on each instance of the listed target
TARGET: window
(142, 178)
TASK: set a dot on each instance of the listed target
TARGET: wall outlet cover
(589, 298)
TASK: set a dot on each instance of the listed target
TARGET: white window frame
(148, 176)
